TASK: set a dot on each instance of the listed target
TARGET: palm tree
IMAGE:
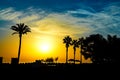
(67, 40)
(80, 42)
(20, 29)
(75, 45)
(56, 59)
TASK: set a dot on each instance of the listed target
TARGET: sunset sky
(50, 21)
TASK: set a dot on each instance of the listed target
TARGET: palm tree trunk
(66, 55)
(80, 57)
(74, 54)
(19, 49)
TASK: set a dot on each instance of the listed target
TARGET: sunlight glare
(45, 47)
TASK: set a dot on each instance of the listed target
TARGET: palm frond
(18, 25)
(26, 29)
(15, 33)
(21, 29)
(22, 24)
(15, 28)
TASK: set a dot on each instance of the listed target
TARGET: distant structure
(1, 60)
(38, 61)
(14, 60)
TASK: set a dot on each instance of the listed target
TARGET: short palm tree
(67, 40)
(75, 45)
(80, 42)
(20, 29)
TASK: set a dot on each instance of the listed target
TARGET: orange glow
(45, 40)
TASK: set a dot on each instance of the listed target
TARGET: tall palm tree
(80, 42)
(67, 40)
(20, 29)
(75, 45)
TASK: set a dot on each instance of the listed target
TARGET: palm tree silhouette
(75, 45)
(56, 59)
(67, 40)
(80, 42)
(20, 29)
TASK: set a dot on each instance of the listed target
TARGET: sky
(50, 21)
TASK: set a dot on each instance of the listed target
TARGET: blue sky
(97, 16)
(56, 5)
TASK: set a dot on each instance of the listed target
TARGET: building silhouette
(1, 60)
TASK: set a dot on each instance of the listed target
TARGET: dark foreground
(59, 71)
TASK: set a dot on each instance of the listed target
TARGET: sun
(45, 47)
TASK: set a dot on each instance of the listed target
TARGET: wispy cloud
(81, 11)
(106, 21)
(60, 25)
(28, 15)
(9, 14)
(74, 22)
(50, 24)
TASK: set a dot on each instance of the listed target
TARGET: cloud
(60, 25)
(78, 22)
(9, 14)
(81, 11)
(108, 20)
(105, 22)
